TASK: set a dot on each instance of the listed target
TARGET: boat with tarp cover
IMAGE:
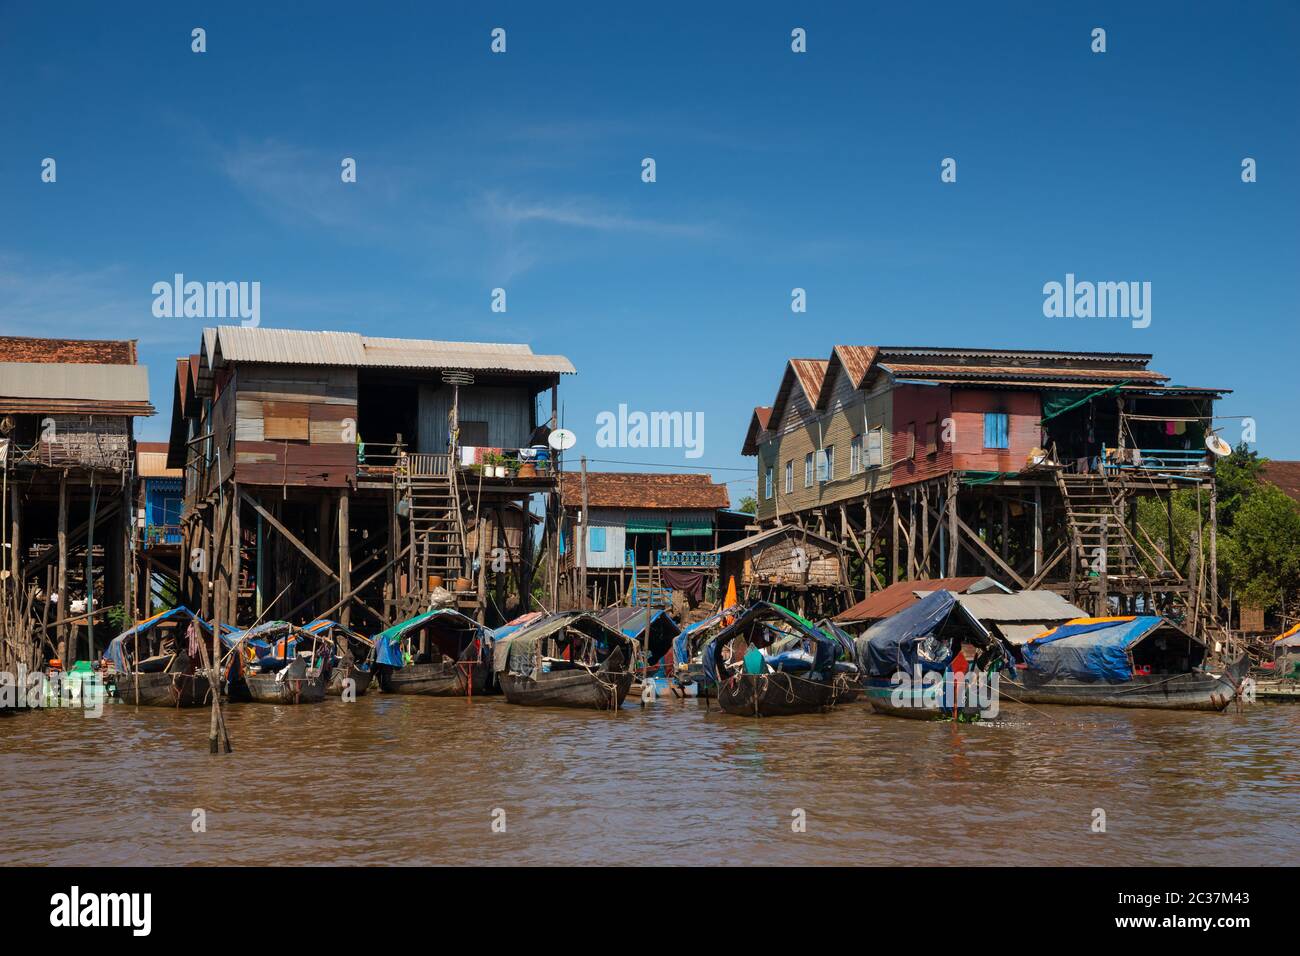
(772, 662)
(567, 659)
(440, 653)
(1126, 661)
(158, 663)
(350, 656)
(915, 663)
(276, 663)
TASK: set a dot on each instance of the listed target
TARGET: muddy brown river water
(407, 780)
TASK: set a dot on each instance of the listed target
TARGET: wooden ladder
(1095, 511)
(429, 487)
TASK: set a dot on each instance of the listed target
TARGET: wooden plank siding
(1024, 414)
(923, 408)
(291, 425)
(802, 430)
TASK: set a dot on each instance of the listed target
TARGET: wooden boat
(1131, 661)
(774, 695)
(771, 662)
(913, 664)
(168, 672)
(338, 680)
(349, 655)
(1192, 690)
(163, 689)
(440, 653)
(570, 659)
(916, 702)
(295, 683)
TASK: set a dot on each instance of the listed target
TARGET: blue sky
(775, 170)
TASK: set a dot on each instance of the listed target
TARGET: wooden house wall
(775, 561)
(849, 413)
(1024, 414)
(291, 425)
(921, 406)
(508, 411)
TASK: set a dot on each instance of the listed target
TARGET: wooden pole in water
(62, 608)
(582, 537)
(214, 682)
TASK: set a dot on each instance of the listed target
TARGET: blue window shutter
(596, 538)
(995, 430)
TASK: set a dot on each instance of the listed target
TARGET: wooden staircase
(1095, 510)
(1095, 507)
(428, 485)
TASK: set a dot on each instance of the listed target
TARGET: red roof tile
(1284, 474)
(640, 490)
(67, 351)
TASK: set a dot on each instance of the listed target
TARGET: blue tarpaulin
(901, 642)
(388, 644)
(115, 650)
(1090, 650)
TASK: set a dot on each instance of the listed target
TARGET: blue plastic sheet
(1091, 652)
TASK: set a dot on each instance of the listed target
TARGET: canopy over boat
(519, 623)
(388, 644)
(921, 636)
(118, 652)
(361, 647)
(1290, 638)
(519, 651)
(271, 644)
(1102, 649)
(692, 636)
(764, 624)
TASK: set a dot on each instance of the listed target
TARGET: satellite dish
(1218, 445)
(562, 439)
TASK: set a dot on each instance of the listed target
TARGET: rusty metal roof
(896, 597)
(297, 347)
(758, 423)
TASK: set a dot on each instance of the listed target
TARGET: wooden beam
(953, 537)
(288, 536)
(990, 553)
(345, 557)
(62, 612)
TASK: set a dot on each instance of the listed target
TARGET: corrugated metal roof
(80, 382)
(761, 536)
(151, 461)
(298, 347)
(1022, 373)
(897, 597)
(1020, 633)
(1021, 606)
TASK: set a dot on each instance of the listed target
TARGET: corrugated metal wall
(508, 412)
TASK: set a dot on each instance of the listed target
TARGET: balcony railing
(156, 534)
(675, 559)
(1172, 461)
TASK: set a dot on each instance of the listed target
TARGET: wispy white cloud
(101, 303)
(584, 213)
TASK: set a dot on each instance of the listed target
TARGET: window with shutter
(875, 448)
(996, 431)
